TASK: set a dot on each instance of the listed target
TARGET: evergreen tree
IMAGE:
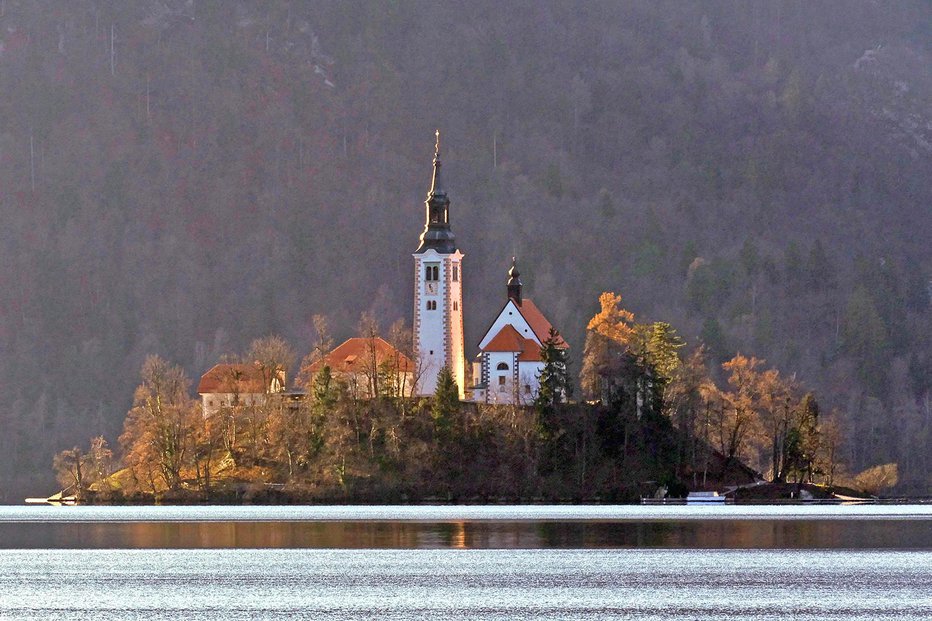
(820, 273)
(323, 389)
(662, 350)
(794, 267)
(446, 399)
(713, 337)
(866, 339)
(554, 380)
(802, 441)
(750, 258)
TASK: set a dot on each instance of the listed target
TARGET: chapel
(508, 366)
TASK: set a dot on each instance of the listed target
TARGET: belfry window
(432, 273)
(436, 271)
(456, 273)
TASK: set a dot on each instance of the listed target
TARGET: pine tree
(802, 441)
(446, 399)
(554, 380)
(820, 273)
(662, 350)
(323, 389)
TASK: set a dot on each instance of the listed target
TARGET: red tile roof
(539, 324)
(232, 378)
(531, 351)
(508, 340)
(352, 355)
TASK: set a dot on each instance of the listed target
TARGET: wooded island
(651, 417)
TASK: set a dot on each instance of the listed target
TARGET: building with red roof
(231, 385)
(369, 367)
(508, 366)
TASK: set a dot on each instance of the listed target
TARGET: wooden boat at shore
(56, 500)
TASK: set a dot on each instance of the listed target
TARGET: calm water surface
(666, 563)
(426, 527)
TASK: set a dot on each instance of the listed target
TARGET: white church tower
(438, 293)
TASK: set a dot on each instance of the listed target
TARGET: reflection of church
(508, 365)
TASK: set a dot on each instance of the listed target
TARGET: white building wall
(438, 333)
(211, 402)
(509, 315)
(501, 381)
(456, 339)
(519, 383)
(530, 381)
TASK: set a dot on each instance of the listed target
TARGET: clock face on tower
(431, 288)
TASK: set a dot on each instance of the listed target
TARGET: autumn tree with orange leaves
(158, 432)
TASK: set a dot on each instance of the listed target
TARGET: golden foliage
(612, 321)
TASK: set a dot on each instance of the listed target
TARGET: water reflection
(735, 534)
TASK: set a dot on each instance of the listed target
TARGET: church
(507, 367)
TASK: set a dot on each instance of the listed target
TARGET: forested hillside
(179, 177)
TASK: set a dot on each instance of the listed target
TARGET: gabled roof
(509, 341)
(232, 378)
(531, 351)
(539, 324)
(353, 355)
(535, 319)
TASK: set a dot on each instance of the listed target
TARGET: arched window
(427, 273)
(436, 273)
(456, 273)
(502, 366)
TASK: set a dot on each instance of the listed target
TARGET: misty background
(181, 177)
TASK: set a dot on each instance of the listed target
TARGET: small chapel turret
(438, 292)
(514, 282)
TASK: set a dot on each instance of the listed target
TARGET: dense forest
(180, 177)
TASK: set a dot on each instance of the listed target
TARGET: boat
(705, 498)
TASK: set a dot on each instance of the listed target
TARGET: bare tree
(158, 429)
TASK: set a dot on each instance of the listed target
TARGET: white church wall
(501, 381)
(438, 328)
(529, 375)
(509, 315)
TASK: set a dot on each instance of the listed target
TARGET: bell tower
(438, 293)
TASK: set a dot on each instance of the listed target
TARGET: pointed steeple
(436, 188)
(514, 282)
(437, 233)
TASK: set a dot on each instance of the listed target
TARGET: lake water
(733, 562)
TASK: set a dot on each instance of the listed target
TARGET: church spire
(436, 189)
(514, 282)
(437, 233)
